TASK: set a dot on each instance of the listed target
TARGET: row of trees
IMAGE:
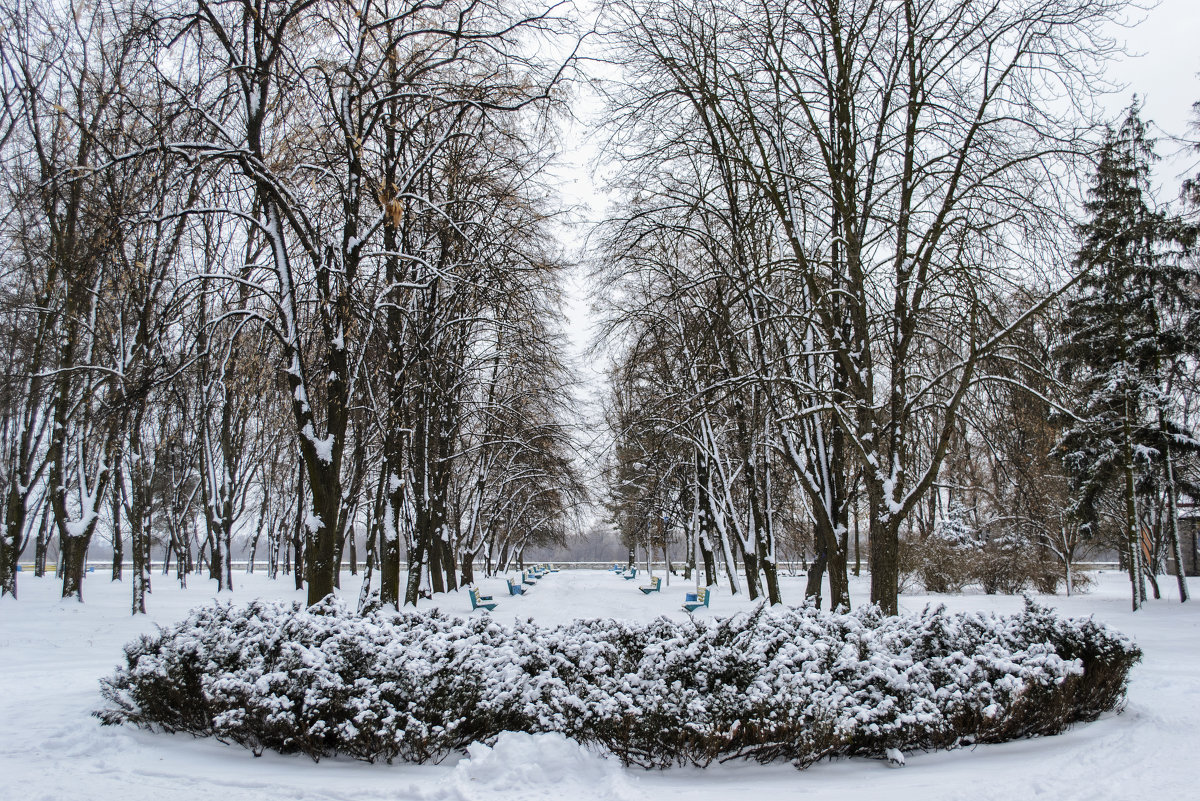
(262, 252)
(847, 239)
(287, 268)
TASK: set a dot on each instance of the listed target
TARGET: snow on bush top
(796, 684)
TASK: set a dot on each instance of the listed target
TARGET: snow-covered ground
(52, 653)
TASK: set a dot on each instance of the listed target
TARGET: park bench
(481, 601)
(631, 575)
(655, 585)
(694, 600)
(527, 578)
(514, 589)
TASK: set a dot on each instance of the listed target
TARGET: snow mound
(534, 766)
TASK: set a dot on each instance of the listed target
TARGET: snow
(77, 528)
(533, 766)
(322, 445)
(53, 653)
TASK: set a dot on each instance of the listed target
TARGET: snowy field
(52, 654)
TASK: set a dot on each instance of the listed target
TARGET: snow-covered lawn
(52, 653)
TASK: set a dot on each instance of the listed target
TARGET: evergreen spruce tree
(1133, 319)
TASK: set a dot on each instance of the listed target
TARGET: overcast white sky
(1162, 69)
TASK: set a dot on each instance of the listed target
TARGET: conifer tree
(1131, 321)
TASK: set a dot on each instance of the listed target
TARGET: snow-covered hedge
(796, 684)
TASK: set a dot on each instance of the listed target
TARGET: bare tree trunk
(42, 544)
(10, 541)
(750, 561)
(816, 574)
(299, 558)
(1173, 527)
(857, 547)
(416, 562)
(1132, 537)
(468, 568)
(74, 552)
(884, 533)
(448, 565)
(391, 504)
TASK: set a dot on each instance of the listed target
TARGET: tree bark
(1173, 526)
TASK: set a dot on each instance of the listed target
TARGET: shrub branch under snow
(771, 684)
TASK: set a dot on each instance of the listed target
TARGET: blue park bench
(655, 585)
(481, 601)
(694, 600)
(528, 578)
(514, 589)
(631, 575)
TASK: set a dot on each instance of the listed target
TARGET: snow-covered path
(53, 653)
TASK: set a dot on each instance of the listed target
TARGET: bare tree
(908, 158)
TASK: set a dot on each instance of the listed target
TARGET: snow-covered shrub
(797, 684)
(1006, 564)
(948, 559)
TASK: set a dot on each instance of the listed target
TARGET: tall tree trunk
(448, 565)
(118, 556)
(139, 515)
(299, 557)
(433, 554)
(816, 572)
(10, 542)
(43, 543)
(770, 574)
(416, 563)
(73, 556)
(392, 506)
(750, 561)
(468, 567)
(448, 562)
(839, 583)
(709, 558)
(1132, 537)
(884, 533)
(1173, 524)
(857, 547)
